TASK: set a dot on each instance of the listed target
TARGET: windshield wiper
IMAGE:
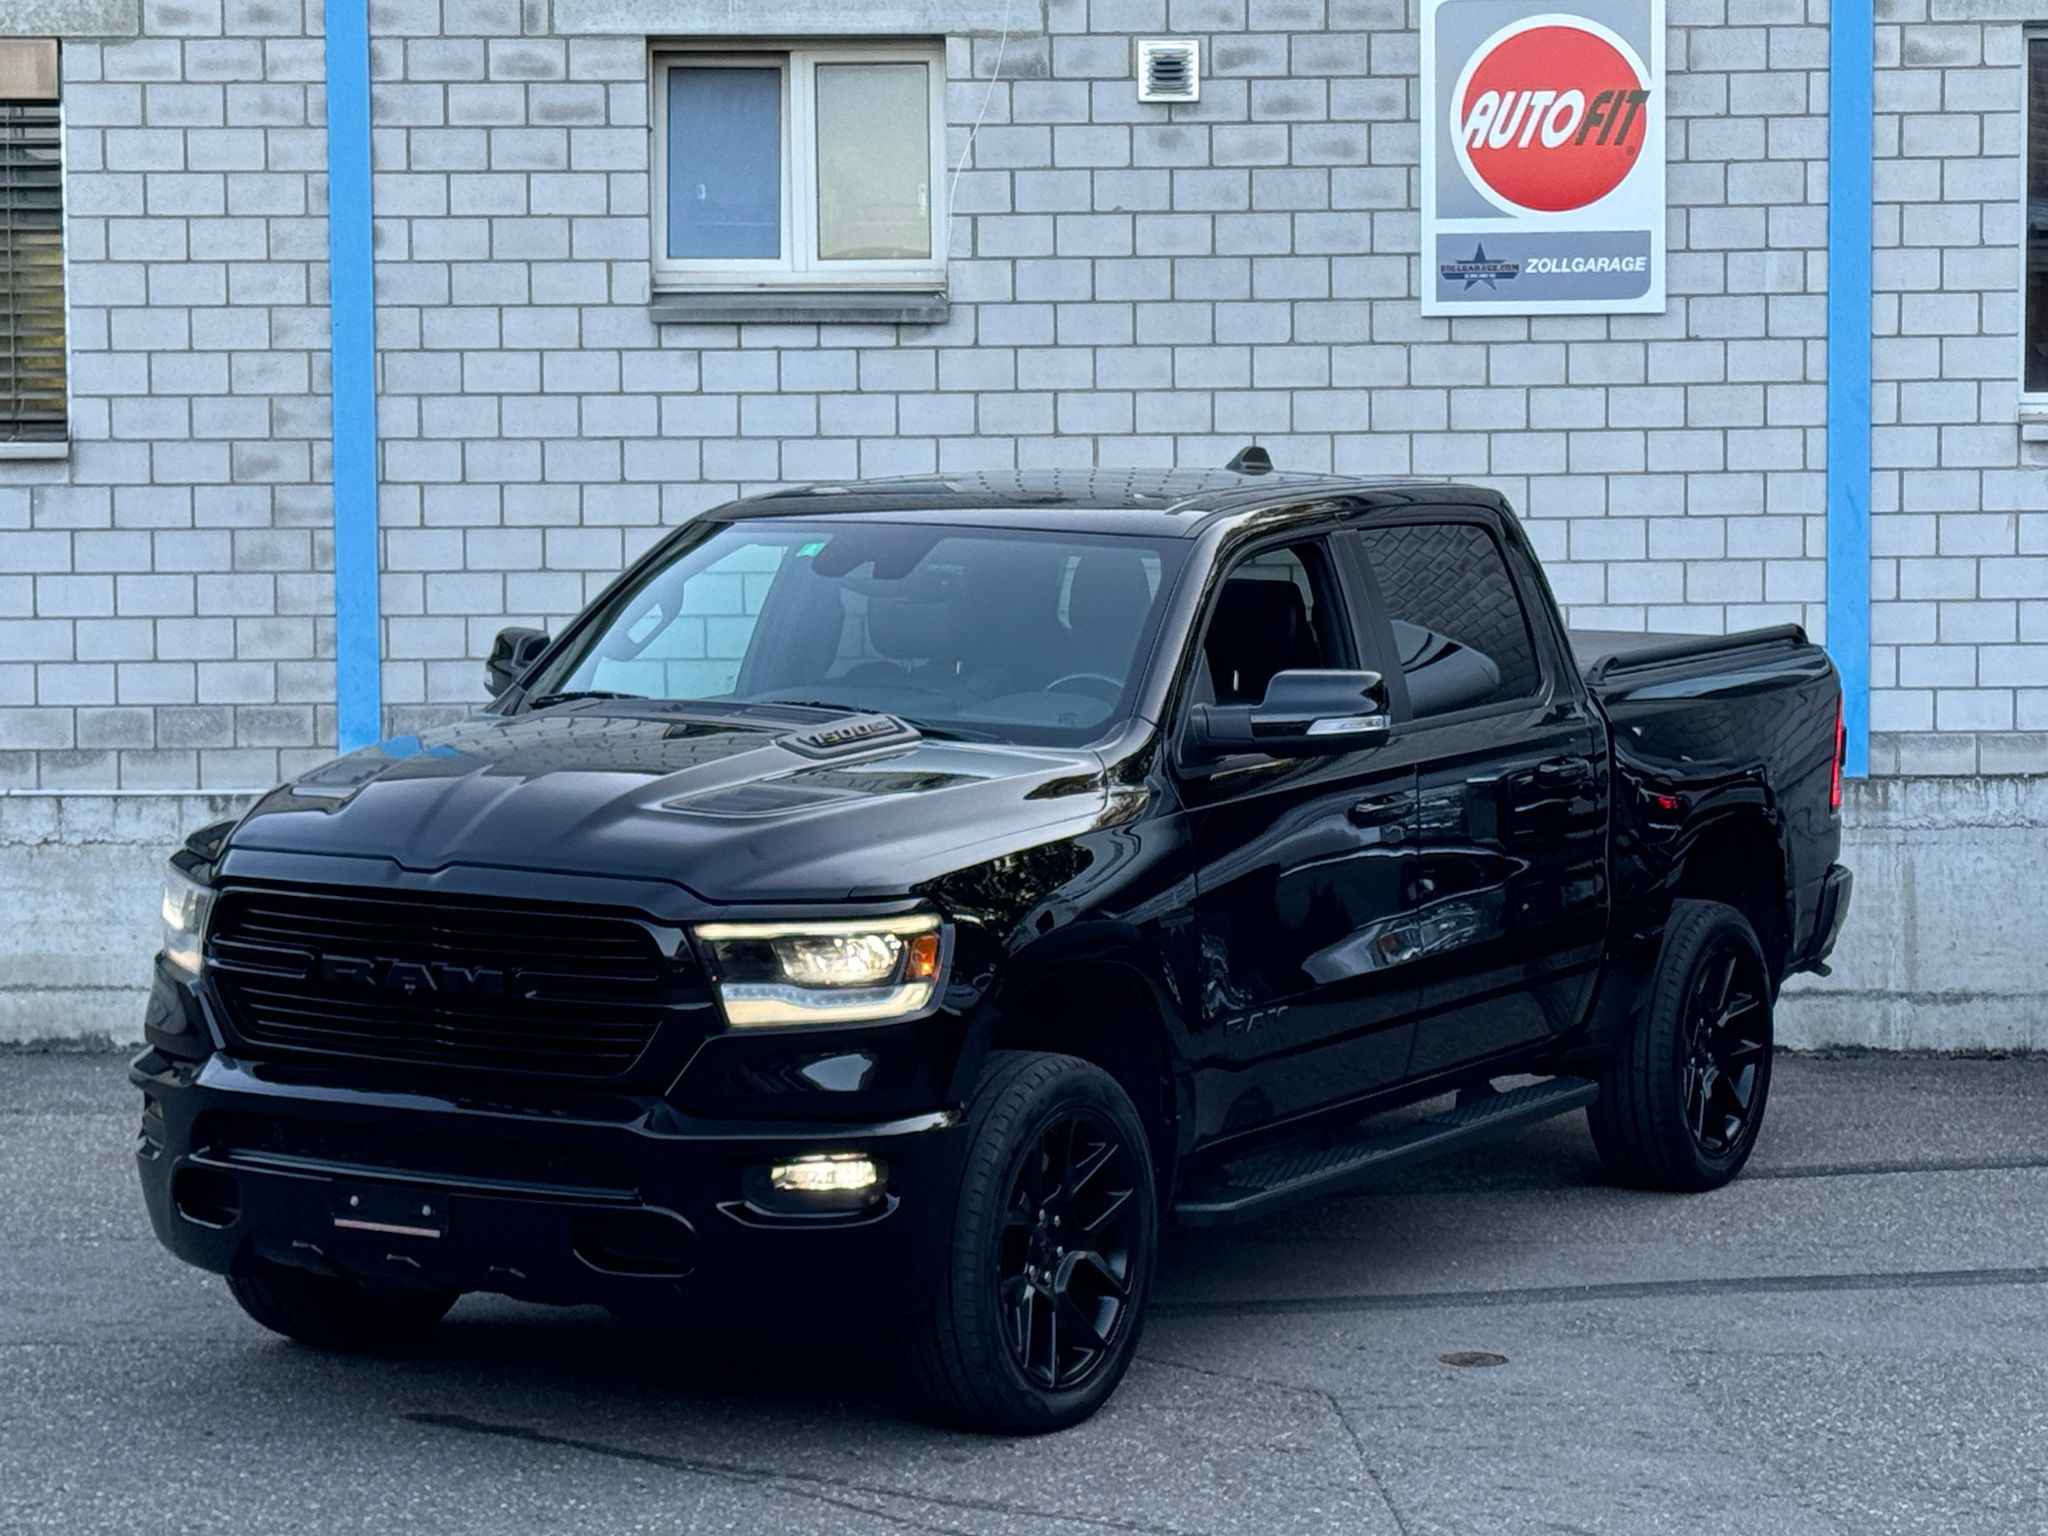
(833, 704)
(543, 700)
(949, 732)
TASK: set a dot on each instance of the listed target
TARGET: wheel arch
(1093, 991)
(1737, 857)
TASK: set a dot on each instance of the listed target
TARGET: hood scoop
(850, 737)
(770, 797)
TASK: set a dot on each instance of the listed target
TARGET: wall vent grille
(1169, 69)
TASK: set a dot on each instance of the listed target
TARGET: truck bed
(1717, 724)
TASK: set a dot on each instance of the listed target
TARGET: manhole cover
(1473, 1357)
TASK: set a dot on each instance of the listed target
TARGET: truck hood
(747, 804)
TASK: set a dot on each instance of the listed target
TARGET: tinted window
(1008, 634)
(1271, 616)
(1459, 630)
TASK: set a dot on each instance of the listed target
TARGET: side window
(1459, 630)
(1274, 614)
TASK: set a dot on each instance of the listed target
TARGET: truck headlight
(186, 906)
(827, 970)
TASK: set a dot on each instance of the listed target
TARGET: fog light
(841, 1173)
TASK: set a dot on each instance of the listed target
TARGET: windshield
(997, 633)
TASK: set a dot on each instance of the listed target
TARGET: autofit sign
(1542, 157)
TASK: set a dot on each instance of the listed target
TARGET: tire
(1681, 1103)
(1055, 1133)
(335, 1314)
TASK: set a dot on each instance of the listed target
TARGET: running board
(1267, 1181)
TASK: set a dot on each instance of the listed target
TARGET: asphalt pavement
(1853, 1338)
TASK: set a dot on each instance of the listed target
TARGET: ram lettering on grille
(411, 978)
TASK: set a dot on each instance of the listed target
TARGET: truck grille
(494, 986)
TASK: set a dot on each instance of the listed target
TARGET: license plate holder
(390, 1212)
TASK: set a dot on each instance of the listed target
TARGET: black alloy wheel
(1682, 1095)
(1069, 1236)
(1041, 1279)
(1727, 1037)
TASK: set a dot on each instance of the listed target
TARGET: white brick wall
(1131, 284)
(1959, 518)
(160, 608)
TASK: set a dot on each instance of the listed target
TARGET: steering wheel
(1109, 692)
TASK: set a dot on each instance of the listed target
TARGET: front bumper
(619, 1199)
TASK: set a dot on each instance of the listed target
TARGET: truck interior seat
(1107, 601)
(1260, 627)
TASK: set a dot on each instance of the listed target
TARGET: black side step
(1268, 1181)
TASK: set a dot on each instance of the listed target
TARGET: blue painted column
(1851, 81)
(358, 642)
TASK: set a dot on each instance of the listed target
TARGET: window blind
(31, 274)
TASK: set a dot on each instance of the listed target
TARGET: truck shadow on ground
(499, 1367)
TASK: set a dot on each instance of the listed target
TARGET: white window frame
(799, 268)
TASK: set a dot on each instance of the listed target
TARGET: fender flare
(1089, 946)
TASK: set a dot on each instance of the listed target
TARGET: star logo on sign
(1480, 269)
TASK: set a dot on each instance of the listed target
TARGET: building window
(31, 251)
(800, 168)
(2034, 371)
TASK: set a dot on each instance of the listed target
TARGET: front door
(1301, 874)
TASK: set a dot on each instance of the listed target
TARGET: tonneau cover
(1603, 652)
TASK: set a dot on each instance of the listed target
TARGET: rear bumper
(617, 1199)
(1836, 887)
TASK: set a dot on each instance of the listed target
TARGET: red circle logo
(1551, 115)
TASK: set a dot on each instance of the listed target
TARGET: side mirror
(1304, 714)
(511, 654)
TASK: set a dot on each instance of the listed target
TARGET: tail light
(1841, 756)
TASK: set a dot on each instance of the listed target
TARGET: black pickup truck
(890, 903)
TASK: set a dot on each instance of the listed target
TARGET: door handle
(1387, 812)
(1566, 773)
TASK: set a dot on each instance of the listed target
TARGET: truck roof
(1173, 502)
